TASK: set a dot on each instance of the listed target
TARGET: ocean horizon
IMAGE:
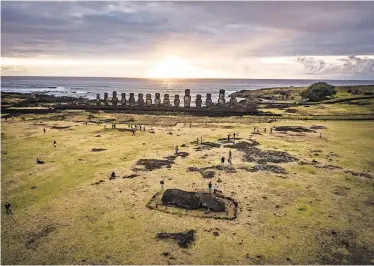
(90, 86)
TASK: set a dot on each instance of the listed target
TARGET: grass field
(310, 215)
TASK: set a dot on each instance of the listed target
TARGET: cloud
(352, 66)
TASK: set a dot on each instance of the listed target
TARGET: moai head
(132, 99)
(98, 99)
(221, 99)
(166, 100)
(114, 98)
(187, 98)
(140, 99)
(209, 102)
(157, 99)
(106, 102)
(148, 99)
(123, 98)
(198, 100)
(176, 100)
(233, 100)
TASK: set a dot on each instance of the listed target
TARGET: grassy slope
(109, 223)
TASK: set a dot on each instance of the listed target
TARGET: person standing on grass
(223, 161)
(271, 130)
(210, 187)
(44, 130)
(228, 137)
(162, 184)
(54, 143)
(234, 136)
(7, 207)
(176, 150)
(215, 188)
(320, 135)
(230, 155)
(201, 140)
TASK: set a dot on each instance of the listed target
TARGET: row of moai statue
(166, 102)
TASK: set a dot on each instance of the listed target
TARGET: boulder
(207, 200)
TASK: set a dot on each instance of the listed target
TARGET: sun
(169, 68)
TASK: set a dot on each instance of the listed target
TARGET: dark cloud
(75, 28)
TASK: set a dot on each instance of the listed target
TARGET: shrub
(318, 91)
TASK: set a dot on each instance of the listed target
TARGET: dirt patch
(254, 154)
(98, 149)
(293, 129)
(341, 247)
(130, 176)
(60, 127)
(184, 240)
(152, 164)
(367, 175)
(266, 167)
(32, 239)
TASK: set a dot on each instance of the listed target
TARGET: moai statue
(187, 98)
(114, 98)
(97, 99)
(140, 99)
(209, 102)
(123, 98)
(148, 99)
(198, 100)
(233, 100)
(176, 100)
(132, 99)
(221, 99)
(106, 100)
(157, 100)
(166, 100)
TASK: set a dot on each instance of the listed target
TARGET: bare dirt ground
(301, 199)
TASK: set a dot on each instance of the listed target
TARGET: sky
(270, 40)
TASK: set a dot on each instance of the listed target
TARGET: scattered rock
(184, 239)
(192, 200)
(329, 167)
(98, 136)
(152, 164)
(184, 145)
(60, 127)
(170, 133)
(358, 174)
(165, 253)
(318, 127)
(98, 149)
(33, 187)
(215, 233)
(293, 129)
(266, 167)
(219, 180)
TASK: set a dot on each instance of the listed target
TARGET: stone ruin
(98, 99)
(166, 100)
(233, 101)
(209, 102)
(114, 98)
(157, 100)
(176, 100)
(198, 101)
(187, 98)
(140, 99)
(123, 98)
(221, 98)
(106, 99)
(148, 99)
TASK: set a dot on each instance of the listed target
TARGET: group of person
(229, 160)
(215, 187)
(257, 130)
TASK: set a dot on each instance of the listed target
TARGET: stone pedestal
(97, 99)
(187, 98)
(198, 101)
(123, 98)
(106, 100)
(221, 99)
(233, 101)
(132, 100)
(177, 101)
(166, 100)
(157, 100)
(140, 99)
(148, 100)
(209, 102)
(114, 98)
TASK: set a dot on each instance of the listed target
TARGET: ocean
(89, 87)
